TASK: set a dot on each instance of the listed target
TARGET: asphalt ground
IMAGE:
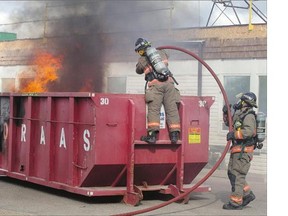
(24, 198)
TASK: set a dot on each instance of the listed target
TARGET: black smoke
(83, 61)
(79, 39)
(83, 36)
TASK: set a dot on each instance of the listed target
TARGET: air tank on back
(261, 128)
(156, 60)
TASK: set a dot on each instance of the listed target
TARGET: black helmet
(141, 44)
(250, 98)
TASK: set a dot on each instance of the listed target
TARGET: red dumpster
(89, 143)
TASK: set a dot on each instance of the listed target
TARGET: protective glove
(230, 136)
(238, 105)
(225, 109)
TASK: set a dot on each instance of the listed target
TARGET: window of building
(8, 84)
(262, 99)
(116, 84)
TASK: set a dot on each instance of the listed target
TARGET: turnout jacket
(244, 127)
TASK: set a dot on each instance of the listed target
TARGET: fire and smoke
(46, 71)
(79, 31)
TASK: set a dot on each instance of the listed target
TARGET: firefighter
(243, 139)
(161, 90)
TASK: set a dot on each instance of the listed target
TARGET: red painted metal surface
(89, 143)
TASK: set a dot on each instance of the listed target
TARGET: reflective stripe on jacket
(238, 149)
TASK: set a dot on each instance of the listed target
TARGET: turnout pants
(237, 171)
(164, 93)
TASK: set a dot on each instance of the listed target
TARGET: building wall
(227, 42)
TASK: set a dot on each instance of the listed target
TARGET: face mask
(238, 105)
(141, 52)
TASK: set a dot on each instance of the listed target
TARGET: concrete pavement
(23, 198)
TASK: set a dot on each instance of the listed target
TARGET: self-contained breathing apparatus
(160, 70)
(261, 129)
(260, 124)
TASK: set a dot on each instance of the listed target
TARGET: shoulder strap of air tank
(249, 112)
(243, 145)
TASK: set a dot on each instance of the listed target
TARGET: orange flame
(46, 70)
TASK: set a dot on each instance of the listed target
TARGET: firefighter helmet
(250, 98)
(141, 44)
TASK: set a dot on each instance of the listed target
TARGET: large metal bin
(89, 143)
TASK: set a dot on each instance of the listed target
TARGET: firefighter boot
(150, 138)
(248, 198)
(230, 206)
(174, 137)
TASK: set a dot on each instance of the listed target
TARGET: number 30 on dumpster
(104, 101)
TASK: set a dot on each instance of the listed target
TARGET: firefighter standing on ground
(241, 151)
(161, 90)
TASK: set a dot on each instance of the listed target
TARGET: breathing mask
(238, 105)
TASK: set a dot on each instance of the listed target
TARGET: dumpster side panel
(111, 129)
(93, 140)
(84, 134)
(72, 148)
(197, 135)
(111, 141)
(62, 144)
(20, 135)
(39, 143)
(197, 129)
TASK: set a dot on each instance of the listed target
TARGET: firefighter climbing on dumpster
(244, 141)
(161, 90)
